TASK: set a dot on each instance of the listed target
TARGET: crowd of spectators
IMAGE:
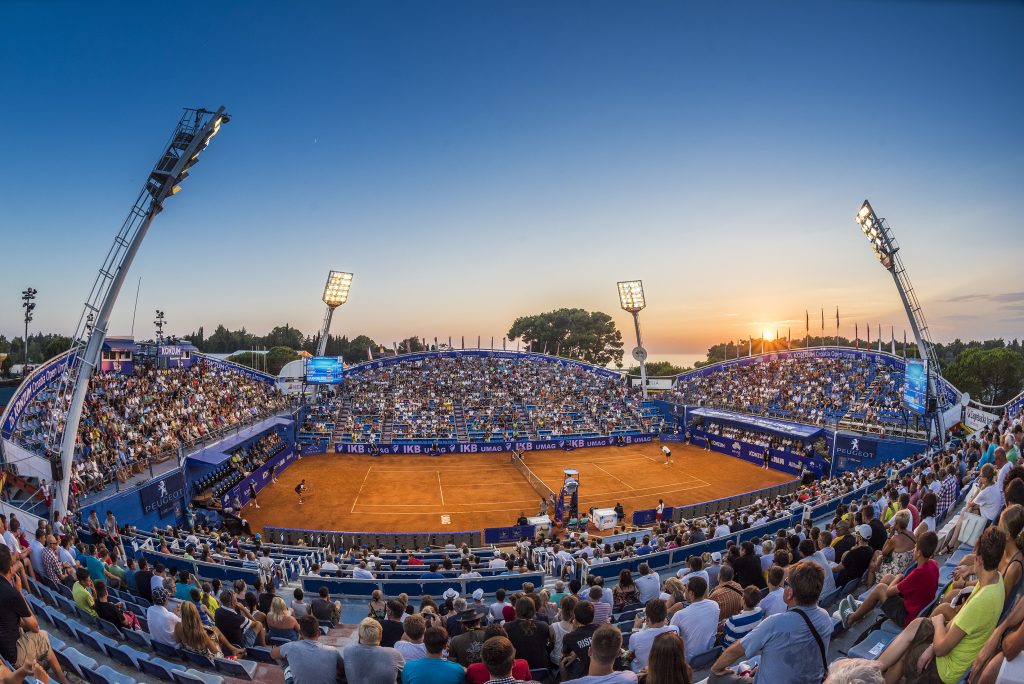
(809, 389)
(764, 439)
(243, 461)
(494, 398)
(132, 419)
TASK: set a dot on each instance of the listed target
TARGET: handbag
(971, 527)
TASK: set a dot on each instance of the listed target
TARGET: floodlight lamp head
(336, 290)
(631, 295)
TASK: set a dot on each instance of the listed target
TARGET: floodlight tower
(159, 323)
(27, 295)
(335, 294)
(631, 299)
(193, 133)
(887, 250)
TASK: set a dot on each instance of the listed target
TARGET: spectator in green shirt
(929, 649)
(83, 592)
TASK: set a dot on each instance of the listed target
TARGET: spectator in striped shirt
(602, 610)
(947, 492)
(739, 624)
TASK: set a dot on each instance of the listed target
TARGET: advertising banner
(976, 419)
(778, 460)
(851, 451)
(164, 494)
(494, 447)
(507, 535)
(915, 386)
(27, 391)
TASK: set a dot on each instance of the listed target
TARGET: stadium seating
(860, 393)
(130, 420)
(469, 398)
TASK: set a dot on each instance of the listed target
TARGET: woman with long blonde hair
(280, 622)
(191, 634)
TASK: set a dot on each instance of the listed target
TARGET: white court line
(624, 484)
(439, 487)
(360, 490)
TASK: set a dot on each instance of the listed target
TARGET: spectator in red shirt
(914, 591)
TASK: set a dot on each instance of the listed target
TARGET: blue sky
(473, 162)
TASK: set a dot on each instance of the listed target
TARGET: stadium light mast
(631, 299)
(335, 294)
(159, 323)
(193, 133)
(27, 295)
(887, 250)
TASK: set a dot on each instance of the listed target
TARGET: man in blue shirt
(432, 573)
(433, 669)
(790, 651)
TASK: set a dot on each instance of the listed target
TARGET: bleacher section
(451, 398)
(861, 392)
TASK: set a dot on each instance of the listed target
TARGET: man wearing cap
(465, 648)
(714, 569)
(160, 620)
(478, 603)
(452, 624)
(854, 563)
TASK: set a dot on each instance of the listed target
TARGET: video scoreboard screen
(324, 370)
(915, 386)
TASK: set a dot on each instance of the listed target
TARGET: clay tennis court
(464, 492)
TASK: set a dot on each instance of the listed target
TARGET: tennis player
(668, 454)
(300, 489)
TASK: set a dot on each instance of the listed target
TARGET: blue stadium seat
(166, 650)
(138, 638)
(110, 629)
(198, 658)
(107, 675)
(160, 668)
(97, 641)
(73, 660)
(55, 643)
(872, 646)
(260, 654)
(195, 677)
(128, 656)
(238, 669)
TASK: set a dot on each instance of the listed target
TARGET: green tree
(283, 336)
(991, 376)
(590, 336)
(657, 369)
(277, 357)
(57, 345)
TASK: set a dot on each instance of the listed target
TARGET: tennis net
(537, 484)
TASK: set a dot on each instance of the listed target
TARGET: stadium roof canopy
(781, 427)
